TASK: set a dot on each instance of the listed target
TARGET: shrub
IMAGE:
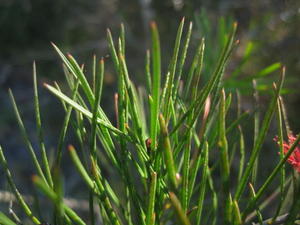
(173, 147)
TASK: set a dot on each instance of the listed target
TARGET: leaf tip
(108, 32)
(171, 194)
(34, 178)
(46, 85)
(71, 148)
(235, 24)
(153, 25)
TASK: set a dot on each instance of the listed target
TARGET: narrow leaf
(151, 203)
(183, 219)
(156, 73)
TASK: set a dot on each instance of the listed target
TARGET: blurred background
(269, 28)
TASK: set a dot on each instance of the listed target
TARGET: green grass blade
(98, 87)
(182, 59)
(112, 50)
(68, 76)
(25, 137)
(196, 63)
(198, 69)
(65, 126)
(282, 171)
(94, 70)
(101, 133)
(285, 118)
(256, 131)
(122, 38)
(262, 134)
(58, 189)
(168, 153)
(266, 71)
(225, 165)
(156, 82)
(124, 89)
(102, 194)
(76, 71)
(202, 184)
(53, 197)
(247, 54)
(295, 208)
(101, 77)
(184, 197)
(82, 110)
(236, 213)
(16, 192)
(214, 197)
(271, 177)
(148, 72)
(76, 160)
(172, 70)
(133, 102)
(199, 102)
(164, 91)
(269, 200)
(257, 208)
(39, 129)
(242, 153)
(199, 160)
(4, 220)
(150, 217)
(183, 219)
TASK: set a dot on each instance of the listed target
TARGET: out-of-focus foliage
(269, 27)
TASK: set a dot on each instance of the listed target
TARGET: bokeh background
(79, 26)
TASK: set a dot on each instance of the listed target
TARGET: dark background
(79, 26)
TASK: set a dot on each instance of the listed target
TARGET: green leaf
(224, 163)
(76, 160)
(172, 70)
(25, 137)
(98, 89)
(198, 103)
(4, 220)
(150, 217)
(168, 153)
(182, 59)
(65, 125)
(260, 139)
(203, 183)
(156, 82)
(39, 129)
(82, 110)
(53, 197)
(236, 213)
(16, 192)
(271, 177)
(183, 219)
(266, 71)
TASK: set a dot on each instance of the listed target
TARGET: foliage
(173, 146)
